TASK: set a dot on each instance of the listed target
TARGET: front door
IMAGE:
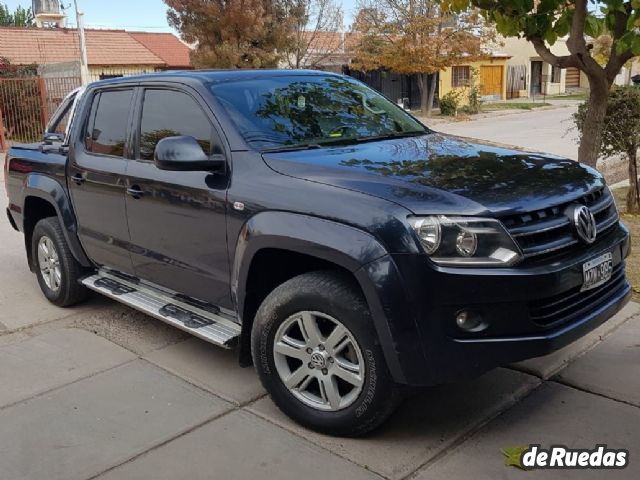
(536, 78)
(177, 219)
(96, 179)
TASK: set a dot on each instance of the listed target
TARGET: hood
(438, 173)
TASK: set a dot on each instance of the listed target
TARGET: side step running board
(202, 320)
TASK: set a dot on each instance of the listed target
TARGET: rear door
(96, 178)
(177, 219)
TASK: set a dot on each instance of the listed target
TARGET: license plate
(597, 271)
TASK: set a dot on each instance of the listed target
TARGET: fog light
(470, 321)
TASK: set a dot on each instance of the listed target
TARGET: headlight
(466, 241)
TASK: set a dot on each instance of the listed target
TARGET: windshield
(281, 112)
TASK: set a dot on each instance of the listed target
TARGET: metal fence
(26, 105)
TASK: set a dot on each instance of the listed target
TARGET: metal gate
(26, 104)
(516, 80)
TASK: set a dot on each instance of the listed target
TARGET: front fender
(49, 189)
(350, 248)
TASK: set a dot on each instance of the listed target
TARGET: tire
(324, 298)
(62, 288)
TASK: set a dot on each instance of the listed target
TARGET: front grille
(547, 232)
(552, 311)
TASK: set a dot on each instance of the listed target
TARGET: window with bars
(460, 76)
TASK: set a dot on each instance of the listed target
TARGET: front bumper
(531, 310)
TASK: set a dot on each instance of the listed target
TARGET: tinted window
(298, 110)
(108, 124)
(167, 113)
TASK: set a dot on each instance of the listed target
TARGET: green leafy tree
(621, 134)
(21, 17)
(543, 22)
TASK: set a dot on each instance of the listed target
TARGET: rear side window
(169, 113)
(107, 129)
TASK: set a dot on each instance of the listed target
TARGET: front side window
(301, 110)
(60, 119)
(169, 113)
(107, 129)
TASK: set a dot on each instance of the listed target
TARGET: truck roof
(214, 76)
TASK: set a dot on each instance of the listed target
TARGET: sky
(147, 15)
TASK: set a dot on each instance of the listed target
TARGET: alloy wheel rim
(49, 263)
(319, 361)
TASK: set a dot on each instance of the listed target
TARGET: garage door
(573, 78)
(491, 81)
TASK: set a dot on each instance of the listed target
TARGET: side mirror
(184, 153)
(49, 138)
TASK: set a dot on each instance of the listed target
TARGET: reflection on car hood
(438, 173)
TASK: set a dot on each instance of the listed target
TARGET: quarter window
(460, 76)
(169, 113)
(107, 130)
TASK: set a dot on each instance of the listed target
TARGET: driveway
(101, 391)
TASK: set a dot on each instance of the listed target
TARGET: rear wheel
(57, 270)
(317, 354)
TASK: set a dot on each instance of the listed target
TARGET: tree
(20, 18)
(417, 37)
(316, 32)
(232, 33)
(621, 134)
(543, 22)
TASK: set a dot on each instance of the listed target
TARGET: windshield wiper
(373, 138)
(343, 141)
(293, 148)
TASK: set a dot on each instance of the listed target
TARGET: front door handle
(78, 179)
(135, 191)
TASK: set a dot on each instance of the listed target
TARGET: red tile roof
(166, 46)
(24, 46)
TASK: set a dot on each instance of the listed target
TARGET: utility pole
(84, 64)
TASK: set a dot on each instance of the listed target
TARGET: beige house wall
(522, 52)
(125, 70)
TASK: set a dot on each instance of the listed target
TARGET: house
(529, 76)
(110, 53)
(489, 75)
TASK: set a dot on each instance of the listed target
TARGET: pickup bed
(343, 248)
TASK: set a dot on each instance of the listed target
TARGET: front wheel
(317, 354)
(57, 270)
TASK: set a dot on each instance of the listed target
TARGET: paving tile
(212, 368)
(424, 425)
(239, 446)
(552, 415)
(89, 426)
(547, 366)
(54, 359)
(612, 368)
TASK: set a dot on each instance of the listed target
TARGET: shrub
(450, 102)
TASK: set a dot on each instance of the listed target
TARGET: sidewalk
(75, 405)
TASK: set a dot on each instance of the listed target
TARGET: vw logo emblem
(585, 224)
(317, 360)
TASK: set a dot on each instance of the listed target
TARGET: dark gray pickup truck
(344, 248)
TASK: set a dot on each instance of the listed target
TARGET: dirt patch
(633, 224)
(133, 330)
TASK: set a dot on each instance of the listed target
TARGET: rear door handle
(135, 191)
(78, 179)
